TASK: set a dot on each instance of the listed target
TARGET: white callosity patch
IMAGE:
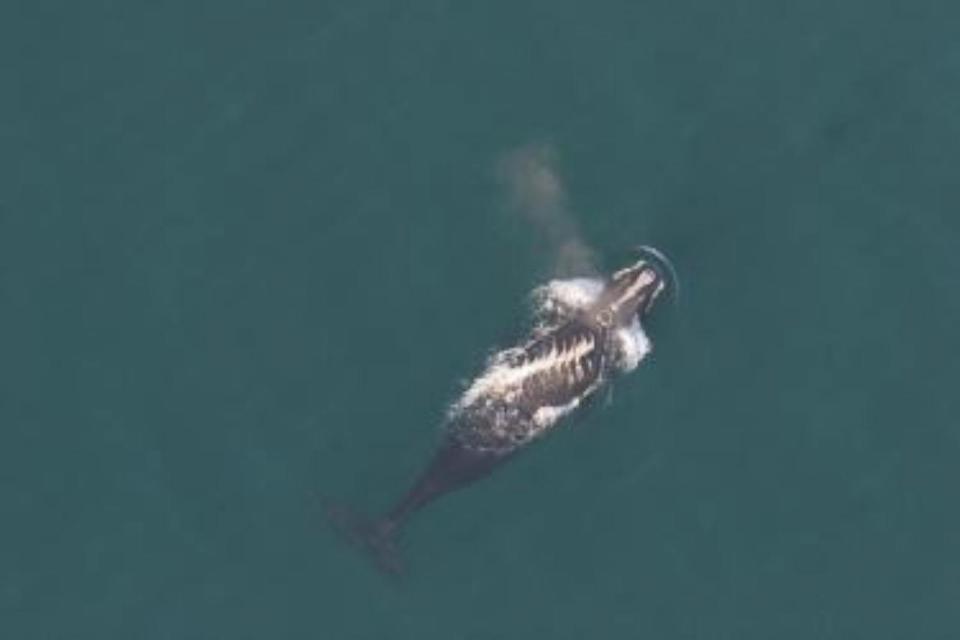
(628, 296)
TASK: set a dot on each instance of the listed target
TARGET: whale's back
(525, 390)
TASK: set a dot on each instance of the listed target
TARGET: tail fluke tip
(376, 537)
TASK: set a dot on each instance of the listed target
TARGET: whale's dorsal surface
(587, 332)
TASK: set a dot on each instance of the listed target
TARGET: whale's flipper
(376, 537)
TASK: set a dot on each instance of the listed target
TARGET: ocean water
(249, 252)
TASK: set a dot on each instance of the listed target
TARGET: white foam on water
(632, 344)
(546, 417)
(558, 296)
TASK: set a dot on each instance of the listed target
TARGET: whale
(587, 333)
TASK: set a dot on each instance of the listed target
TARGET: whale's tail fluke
(376, 537)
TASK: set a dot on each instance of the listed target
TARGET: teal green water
(248, 251)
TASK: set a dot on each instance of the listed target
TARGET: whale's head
(631, 291)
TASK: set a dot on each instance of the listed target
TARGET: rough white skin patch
(643, 280)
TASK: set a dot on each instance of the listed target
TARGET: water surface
(248, 253)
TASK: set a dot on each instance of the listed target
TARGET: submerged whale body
(587, 332)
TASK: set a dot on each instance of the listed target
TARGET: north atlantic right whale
(588, 332)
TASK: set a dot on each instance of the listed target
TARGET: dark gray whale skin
(472, 448)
